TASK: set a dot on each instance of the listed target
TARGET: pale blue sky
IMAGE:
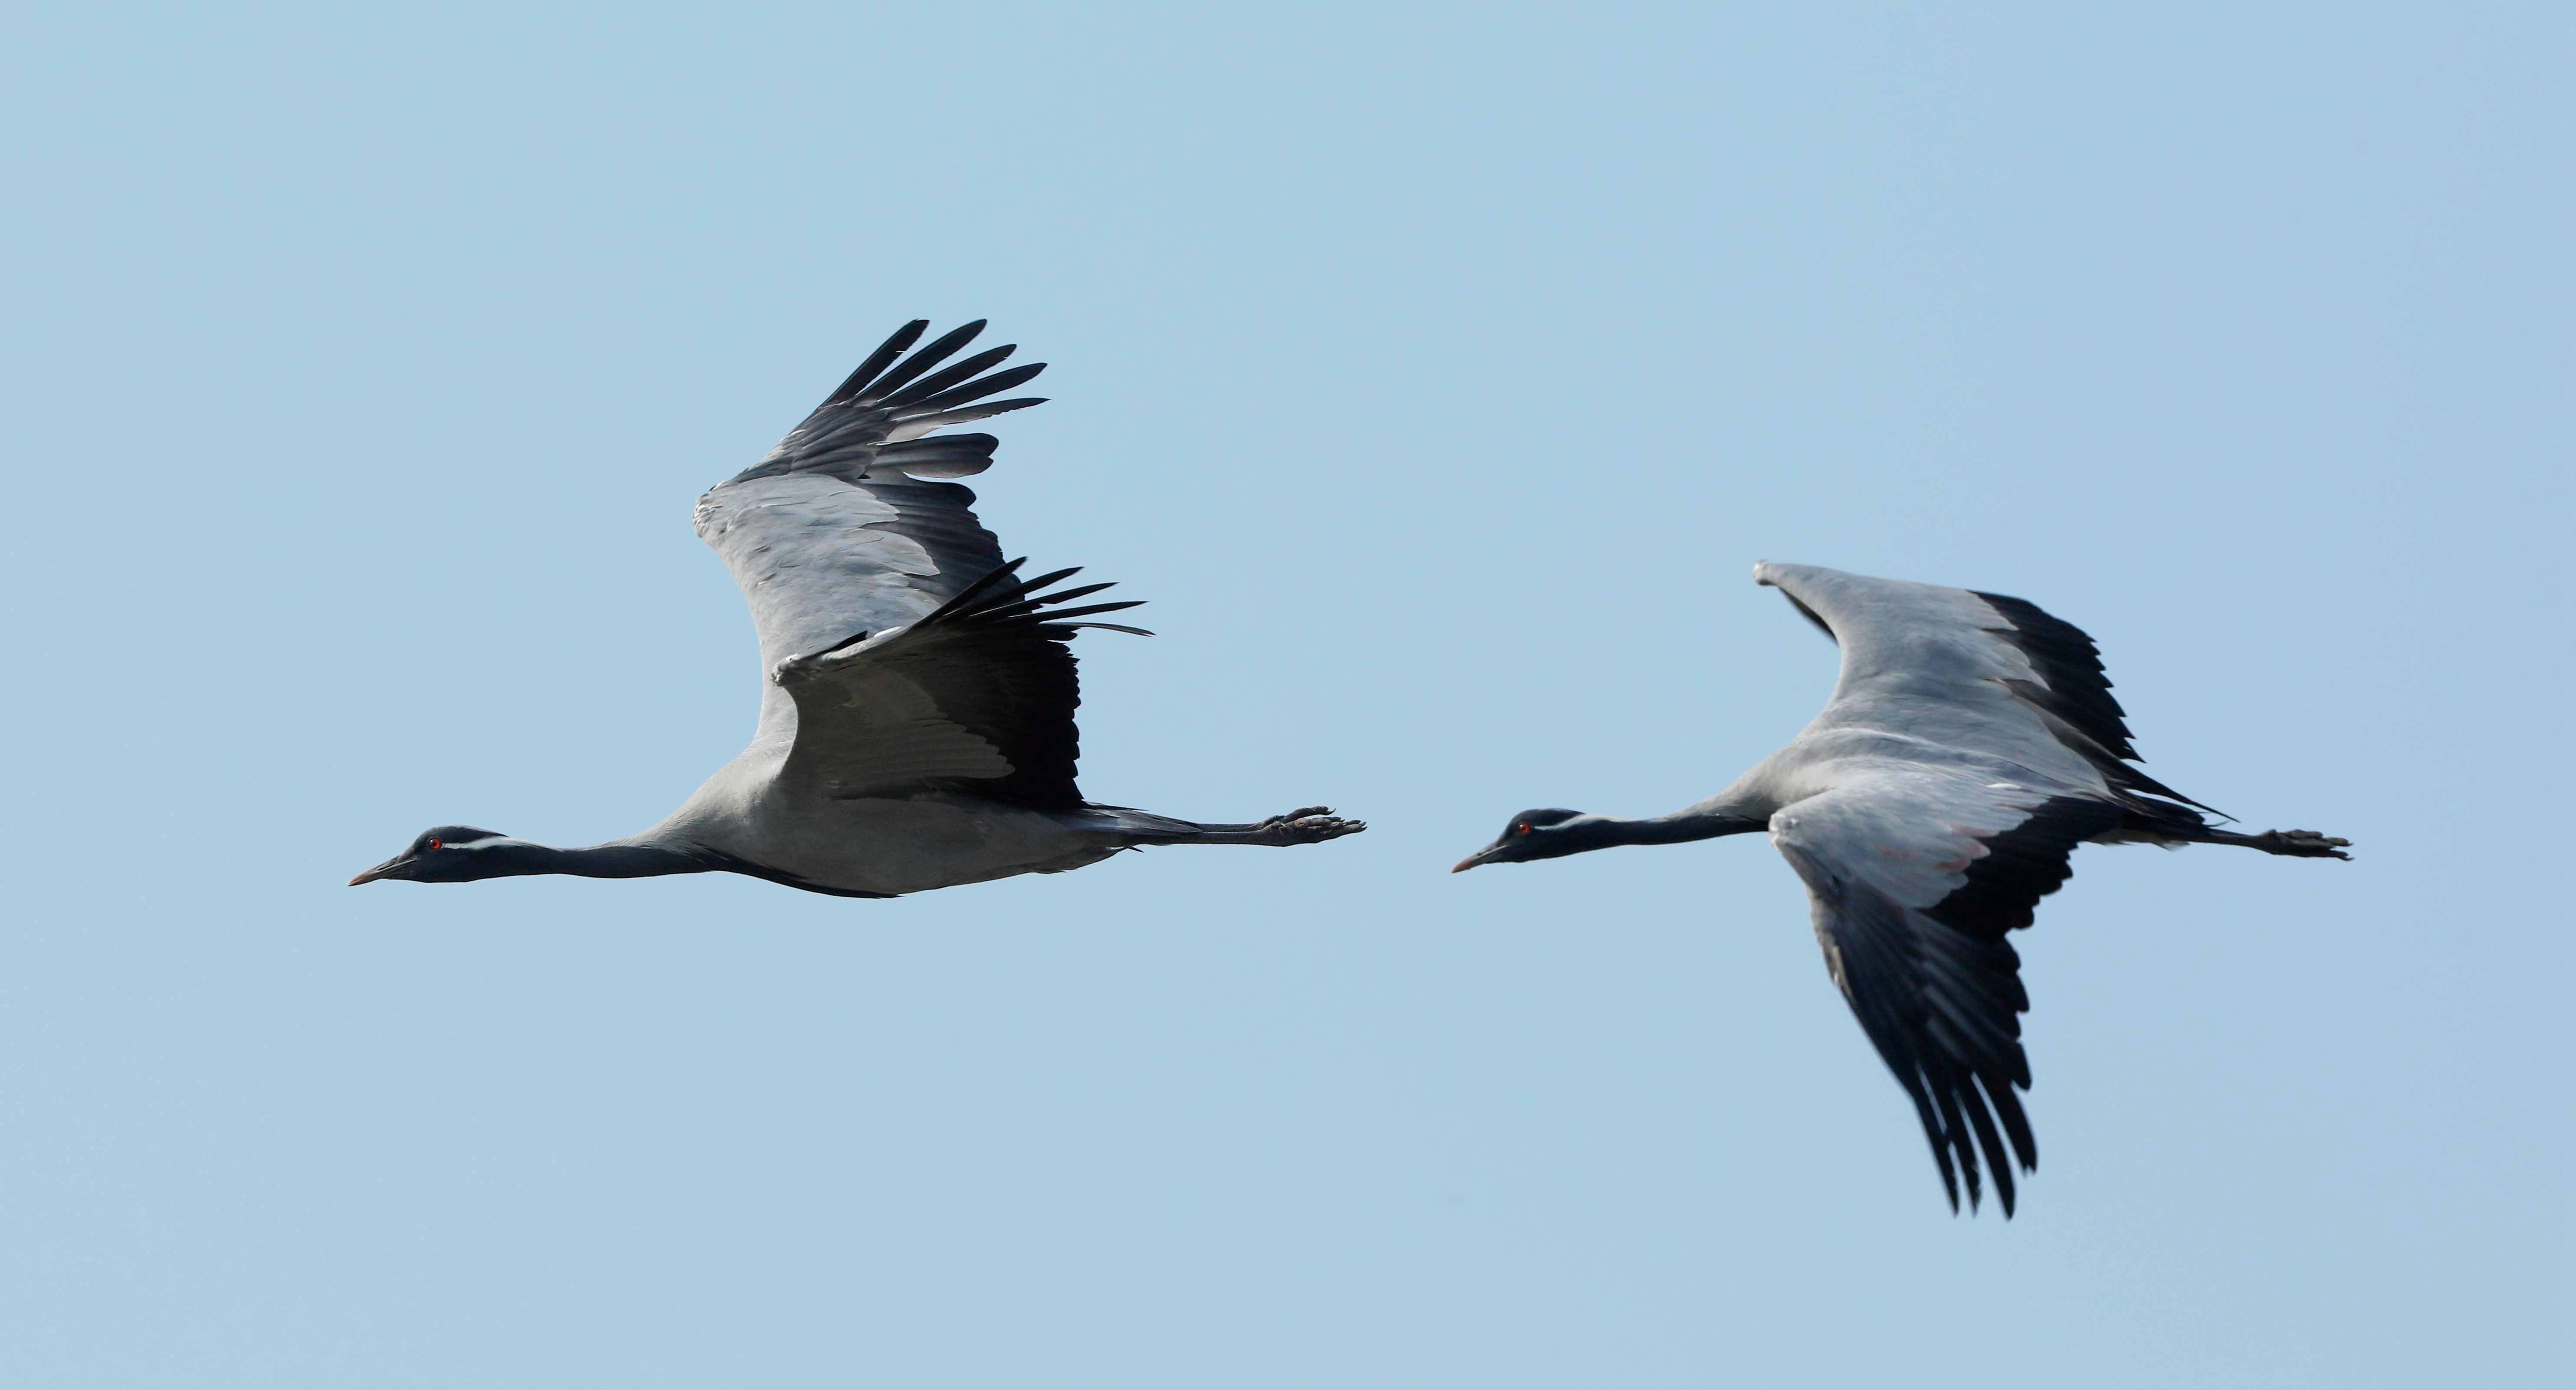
(1439, 373)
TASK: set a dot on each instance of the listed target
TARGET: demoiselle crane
(917, 724)
(1970, 745)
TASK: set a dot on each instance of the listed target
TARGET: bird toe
(1314, 828)
(2311, 844)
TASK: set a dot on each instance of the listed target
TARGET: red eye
(434, 844)
(1522, 829)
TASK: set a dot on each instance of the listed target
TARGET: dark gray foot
(1307, 825)
(2300, 844)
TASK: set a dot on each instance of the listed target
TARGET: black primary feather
(2069, 661)
(886, 353)
(849, 436)
(919, 362)
(2076, 703)
(946, 377)
(1017, 635)
(976, 390)
(1938, 990)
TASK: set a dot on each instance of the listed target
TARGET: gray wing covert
(1970, 670)
(844, 527)
(1914, 878)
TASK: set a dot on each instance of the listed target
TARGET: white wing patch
(773, 524)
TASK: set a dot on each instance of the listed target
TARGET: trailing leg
(2298, 844)
(1307, 825)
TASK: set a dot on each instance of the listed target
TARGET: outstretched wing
(1914, 877)
(981, 691)
(1976, 671)
(844, 527)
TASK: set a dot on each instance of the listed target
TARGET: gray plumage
(917, 721)
(1970, 744)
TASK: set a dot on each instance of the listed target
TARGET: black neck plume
(595, 861)
(1681, 827)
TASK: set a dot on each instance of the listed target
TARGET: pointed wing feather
(836, 532)
(981, 691)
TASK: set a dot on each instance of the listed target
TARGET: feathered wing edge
(999, 618)
(1002, 597)
(1938, 990)
(2078, 708)
(876, 419)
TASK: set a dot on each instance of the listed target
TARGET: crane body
(917, 717)
(1971, 743)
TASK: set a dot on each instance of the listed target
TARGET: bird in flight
(1970, 745)
(916, 725)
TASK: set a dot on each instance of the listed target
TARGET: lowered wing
(1914, 877)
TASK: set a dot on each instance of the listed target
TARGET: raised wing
(981, 691)
(1914, 877)
(1975, 671)
(836, 532)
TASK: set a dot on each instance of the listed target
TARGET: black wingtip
(967, 596)
(878, 361)
(941, 392)
(920, 393)
(931, 356)
(1050, 577)
(1088, 609)
(1941, 1160)
(1000, 596)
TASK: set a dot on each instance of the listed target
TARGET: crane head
(440, 854)
(1534, 834)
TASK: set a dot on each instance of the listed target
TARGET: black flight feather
(925, 403)
(921, 361)
(886, 352)
(946, 377)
